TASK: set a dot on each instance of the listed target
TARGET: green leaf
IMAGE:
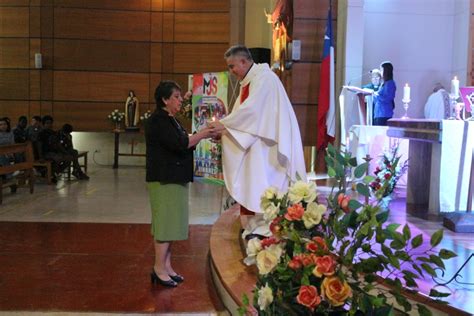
(363, 189)
(428, 269)
(402, 255)
(331, 150)
(417, 241)
(406, 232)
(353, 162)
(368, 179)
(331, 172)
(354, 205)
(409, 281)
(434, 293)
(437, 260)
(423, 310)
(392, 228)
(417, 268)
(360, 170)
(447, 254)
(382, 217)
(436, 238)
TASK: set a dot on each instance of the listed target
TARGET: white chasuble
(262, 146)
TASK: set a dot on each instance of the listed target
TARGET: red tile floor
(99, 267)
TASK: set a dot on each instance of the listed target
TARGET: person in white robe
(261, 141)
(438, 106)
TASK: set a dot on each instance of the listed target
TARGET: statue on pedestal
(132, 112)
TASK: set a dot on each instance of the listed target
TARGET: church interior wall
(425, 42)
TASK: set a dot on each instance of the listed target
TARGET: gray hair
(239, 50)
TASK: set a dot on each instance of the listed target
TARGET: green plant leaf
(360, 170)
(417, 241)
(417, 268)
(363, 189)
(434, 293)
(447, 254)
(392, 228)
(354, 205)
(382, 217)
(423, 310)
(353, 162)
(436, 238)
(437, 260)
(428, 269)
(406, 232)
(331, 172)
(402, 255)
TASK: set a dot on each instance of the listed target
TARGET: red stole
(243, 96)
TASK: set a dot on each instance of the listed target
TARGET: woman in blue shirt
(384, 98)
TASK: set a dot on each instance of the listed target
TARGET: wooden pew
(25, 168)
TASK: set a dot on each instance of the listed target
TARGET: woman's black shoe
(177, 278)
(156, 279)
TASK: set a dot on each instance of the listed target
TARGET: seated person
(32, 133)
(19, 132)
(438, 106)
(65, 138)
(6, 138)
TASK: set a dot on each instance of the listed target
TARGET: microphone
(359, 77)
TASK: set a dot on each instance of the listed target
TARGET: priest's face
(238, 66)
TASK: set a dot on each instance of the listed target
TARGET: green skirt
(169, 211)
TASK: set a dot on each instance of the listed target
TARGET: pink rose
(308, 296)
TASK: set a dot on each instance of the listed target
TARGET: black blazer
(168, 158)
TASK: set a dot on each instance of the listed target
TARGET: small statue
(132, 111)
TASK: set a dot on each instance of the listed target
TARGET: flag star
(326, 37)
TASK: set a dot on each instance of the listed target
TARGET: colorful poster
(209, 103)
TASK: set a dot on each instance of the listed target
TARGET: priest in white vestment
(438, 105)
(261, 141)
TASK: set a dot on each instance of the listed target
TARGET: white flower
(301, 190)
(268, 258)
(116, 111)
(271, 212)
(267, 196)
(313, 214)
(253, 247)
(265, 297)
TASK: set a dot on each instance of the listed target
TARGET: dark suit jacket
(168, 158)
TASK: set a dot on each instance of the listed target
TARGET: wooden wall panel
(168, 27)
(306, 114)
(195, 58)
(14, 84)
(201, 27)
(46, 85)
(101, 55)
(20, 3)
(35, 22)
(140, 5)
(154, 81)
(14, 53)
(311, 34)
(14, 22)
(156, 27)
(203, 5)
(156, 57)
(99, 86)
(157, 5)
(35, 89)
(86, 116)
(305, 83)
(13, 110)
(46, 22)
(101, 24)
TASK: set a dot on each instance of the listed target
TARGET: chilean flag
(326, 98)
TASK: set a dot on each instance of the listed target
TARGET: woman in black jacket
(169, 168)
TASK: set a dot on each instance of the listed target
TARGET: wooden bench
(25, 168)
(49, 173)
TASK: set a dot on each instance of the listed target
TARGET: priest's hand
(217, 126)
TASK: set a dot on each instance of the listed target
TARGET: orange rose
(343, 201)
(318, 244)
(308, 296)
(325, 265)
(295, 263)
(294, 212)
(335, 291)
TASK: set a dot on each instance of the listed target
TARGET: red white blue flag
(326, 98)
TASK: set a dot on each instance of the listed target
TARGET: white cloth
(437, 106)
(262, 146)
(457, 144)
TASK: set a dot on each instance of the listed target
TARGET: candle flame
(406, 85)
(455, 77)
(213, 118)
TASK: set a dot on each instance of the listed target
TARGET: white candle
(406, 93)
(455, 87)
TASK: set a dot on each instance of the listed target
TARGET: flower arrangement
(116, 116)
(331, 258)
(387, 173)
(145, 116)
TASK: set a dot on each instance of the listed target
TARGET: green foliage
(355, 238)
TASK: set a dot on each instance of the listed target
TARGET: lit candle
(213, 118)
(455, 87)
(406, 93)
